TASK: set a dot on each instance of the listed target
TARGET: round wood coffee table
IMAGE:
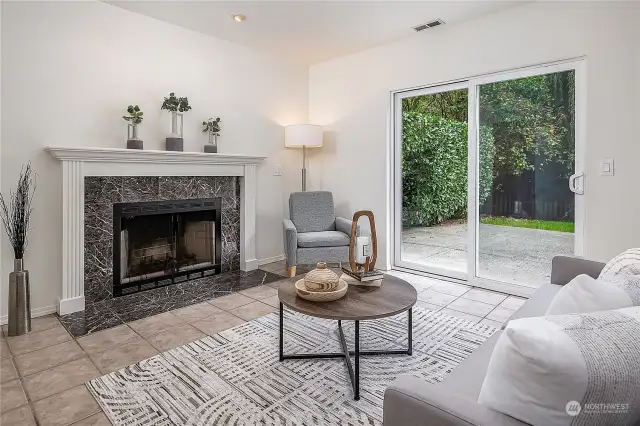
(360, 303)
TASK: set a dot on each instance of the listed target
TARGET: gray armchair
(314, 233)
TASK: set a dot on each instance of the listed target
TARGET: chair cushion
(323, 239)
(312, 211)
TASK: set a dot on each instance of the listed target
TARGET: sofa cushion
(586, 294)
(323, 239)
(544, 369)
(312, 211)
(538, 303)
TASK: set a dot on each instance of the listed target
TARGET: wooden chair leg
(292, 271)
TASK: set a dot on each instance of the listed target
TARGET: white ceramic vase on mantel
(175, 141)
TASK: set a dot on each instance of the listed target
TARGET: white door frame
(472, 84)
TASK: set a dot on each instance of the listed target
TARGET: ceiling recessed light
(238, 17)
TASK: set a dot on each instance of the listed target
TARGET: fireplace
(158, 243)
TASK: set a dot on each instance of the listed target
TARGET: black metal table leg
(356, 385)
(281, 342)
(352, 369)
(410, 332)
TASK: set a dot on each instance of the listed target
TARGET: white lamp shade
(299, 135)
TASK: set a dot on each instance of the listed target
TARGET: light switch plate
(278, 170)
(606, 167)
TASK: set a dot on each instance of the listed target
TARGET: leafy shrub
(434, 168)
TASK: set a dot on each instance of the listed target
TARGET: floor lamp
(303, 136)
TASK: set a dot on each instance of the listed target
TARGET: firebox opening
(157, 242)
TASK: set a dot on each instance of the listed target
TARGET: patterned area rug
(235, 378)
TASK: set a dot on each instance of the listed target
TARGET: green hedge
(434, 168)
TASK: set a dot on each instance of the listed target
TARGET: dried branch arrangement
(15, 212)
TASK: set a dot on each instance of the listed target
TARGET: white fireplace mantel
(78, 162)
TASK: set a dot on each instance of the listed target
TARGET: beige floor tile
(43, 359)
(107, 339)
(276, 284)
(428, 306)
(130, 353)
(513, 302)
(231, 301)
(18, 417)
(217, 323)
(60, 378)
(175, 337)
(435, 297)
(272, 301)
(155, 324)
(485, 296)
(450, 288)
(260, 292)
(491, 323)
(7, 370)
(38, 340)
(463, 315)
(4, 349)
(500, 314)
(195, 312)
(470, 307)
(65, 408)
(11, 395)
(40, 323)
(252, 310)
(96, 420)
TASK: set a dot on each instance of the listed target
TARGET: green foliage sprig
(175, 104)
(135, 115)
(212, 126)
(434, 168)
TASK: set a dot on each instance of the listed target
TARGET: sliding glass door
(433, 152)
(487, 183)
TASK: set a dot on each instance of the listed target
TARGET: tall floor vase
(19, 300)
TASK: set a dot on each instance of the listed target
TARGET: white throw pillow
(586, 294)
(541, 366)
(626, 263)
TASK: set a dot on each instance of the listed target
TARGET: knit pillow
(626, 263)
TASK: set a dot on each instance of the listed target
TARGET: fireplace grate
(160, 243)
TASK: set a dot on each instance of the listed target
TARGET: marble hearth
(96, 178)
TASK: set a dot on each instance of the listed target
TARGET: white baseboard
(271, 259)
(35, 313)
(69, 306)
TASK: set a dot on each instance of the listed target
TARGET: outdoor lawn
(547, 225)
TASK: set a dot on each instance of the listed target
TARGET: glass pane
(526, 155)
(434, 181)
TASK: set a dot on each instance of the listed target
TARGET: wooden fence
(505, 205)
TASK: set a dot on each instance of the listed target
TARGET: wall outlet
(278, 170)
(606, 167)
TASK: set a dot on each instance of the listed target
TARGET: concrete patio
(508, 254)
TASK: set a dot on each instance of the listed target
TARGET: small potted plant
(15, 212)
(177, 106)
(213, 128)
(133, 119)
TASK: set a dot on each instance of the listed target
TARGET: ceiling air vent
(428, 25)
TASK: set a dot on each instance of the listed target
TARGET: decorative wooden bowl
(321, 296)
(321, 279)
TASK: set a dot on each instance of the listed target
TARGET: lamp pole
(304, 169)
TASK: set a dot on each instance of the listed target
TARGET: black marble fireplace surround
(102, 310)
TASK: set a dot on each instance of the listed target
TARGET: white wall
(350, 97)
(70, 69)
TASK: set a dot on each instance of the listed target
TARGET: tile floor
(43, 373)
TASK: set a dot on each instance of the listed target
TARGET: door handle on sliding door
(576, 186)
